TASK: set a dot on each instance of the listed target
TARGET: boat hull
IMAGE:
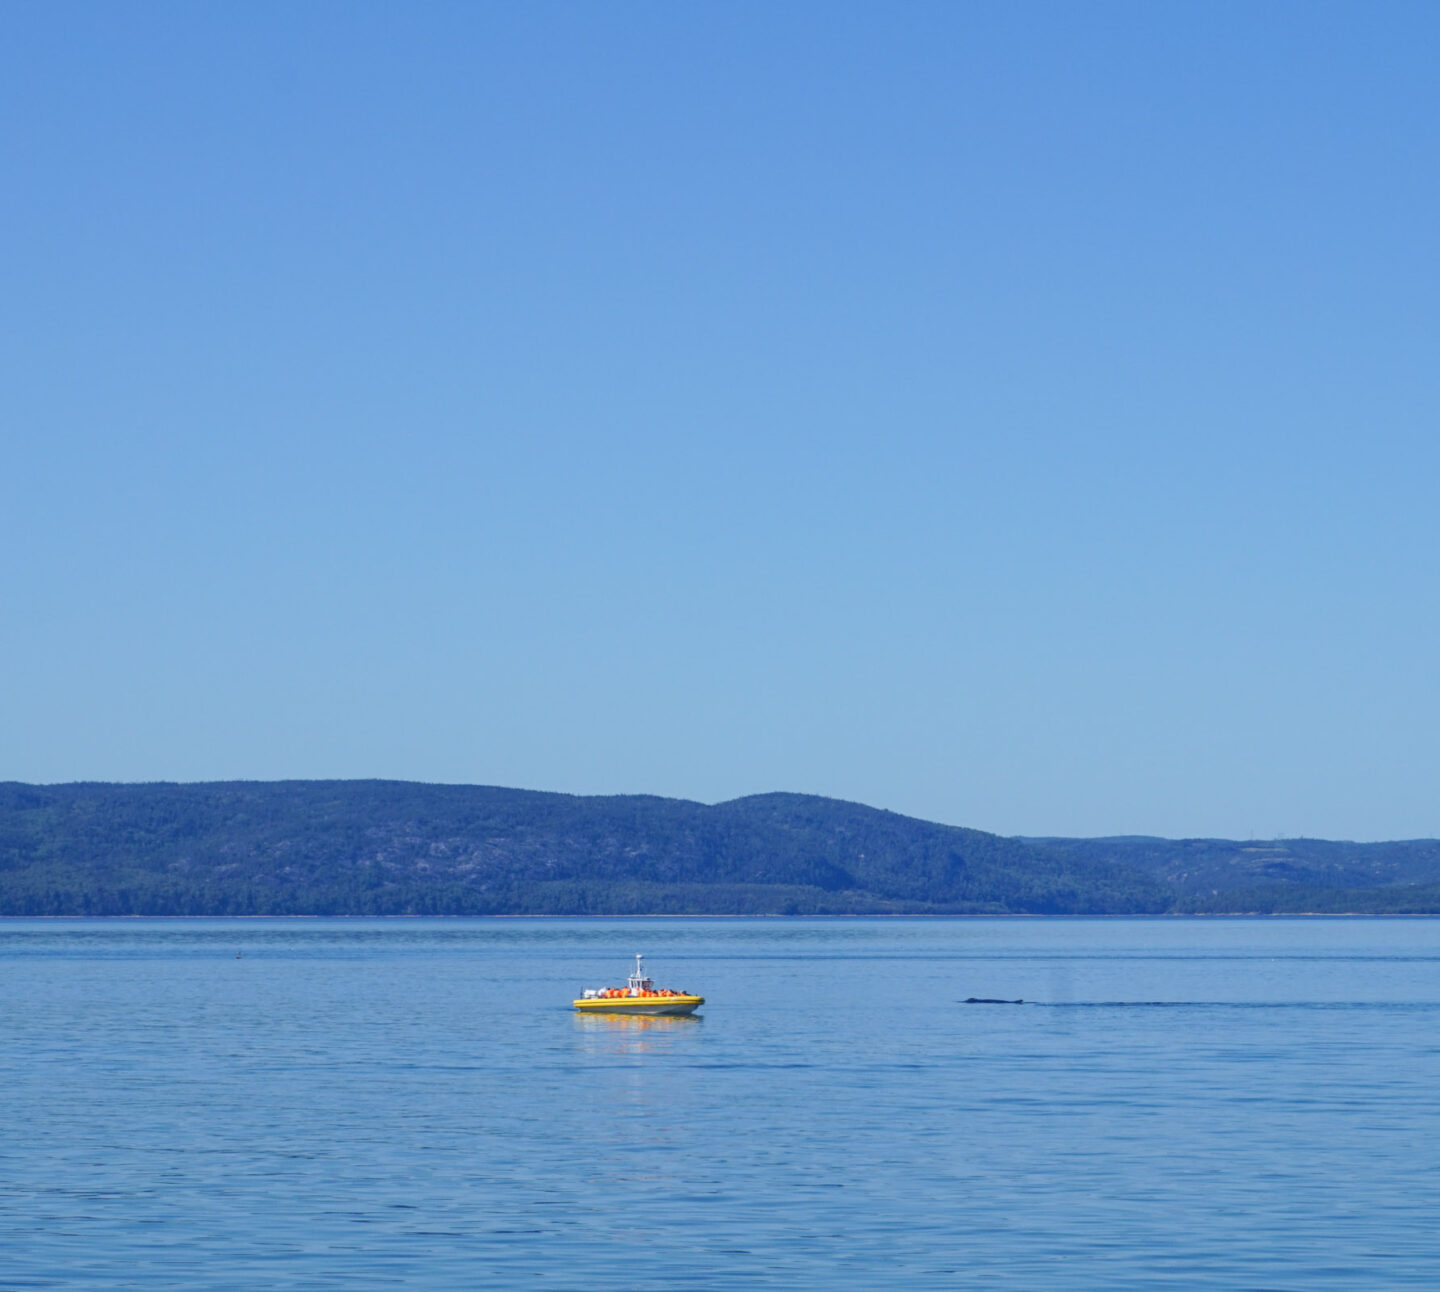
(641, 1005)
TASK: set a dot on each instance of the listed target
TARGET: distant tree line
(398, 848)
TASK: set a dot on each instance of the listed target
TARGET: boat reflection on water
(636, 1022)
(634, 1033)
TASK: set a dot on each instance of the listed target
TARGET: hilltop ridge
(375, 847)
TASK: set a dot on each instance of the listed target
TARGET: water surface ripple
(1239, 1104)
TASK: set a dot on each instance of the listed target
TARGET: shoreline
(877, 915)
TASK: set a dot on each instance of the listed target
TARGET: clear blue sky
(1024, 416)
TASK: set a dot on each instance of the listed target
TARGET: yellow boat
(638, 996)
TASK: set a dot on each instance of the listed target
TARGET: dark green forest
(400, 848)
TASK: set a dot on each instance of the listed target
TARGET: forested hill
(399, 848)
(395, 848)
(1271, 876)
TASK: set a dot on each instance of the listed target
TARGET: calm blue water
(1241, 1104)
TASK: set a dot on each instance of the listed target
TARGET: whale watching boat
(638, 996)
